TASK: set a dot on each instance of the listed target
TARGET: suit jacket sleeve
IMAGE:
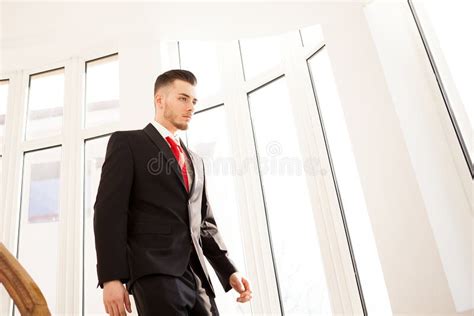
(213, 245)
(110, 211)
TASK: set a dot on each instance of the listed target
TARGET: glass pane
(447, 27)
(302, 282)
(201, 59)
(45, 104)
(312, 36)
(214, 148)
(102, 91)
(260, 55)
(3, 109)
(39, 225)
(348, 182)
(94, 158)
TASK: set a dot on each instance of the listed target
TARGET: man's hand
(241, 285)
(115, 298)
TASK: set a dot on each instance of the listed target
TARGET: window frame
(71, 140)
(448, 116)
(94, 58)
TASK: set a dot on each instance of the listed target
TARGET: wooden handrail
(20, 286)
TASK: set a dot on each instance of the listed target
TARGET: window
(215, 149)
(102, 91)
(49, 175)
(312, 36)
(39, 220)
(445, 28)
(94, 158)
(348, 186)
(303, 288)
(260, 55)
(45, 104)
(201, 59)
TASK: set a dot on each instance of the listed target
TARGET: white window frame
(71, 140)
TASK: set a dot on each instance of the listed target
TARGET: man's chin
(182, 127)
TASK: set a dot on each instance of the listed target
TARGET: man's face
(177, 103)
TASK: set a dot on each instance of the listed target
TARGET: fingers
(121, 309)
(244, 297)
(115, 311)
(238, 286)
(241, 288)
(246, 284)
(109, 309)
(116, 299)
(128, 306)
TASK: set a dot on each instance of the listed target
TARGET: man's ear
(158, 100)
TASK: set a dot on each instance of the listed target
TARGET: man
(153, 223)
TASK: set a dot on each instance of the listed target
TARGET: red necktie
(179, 155)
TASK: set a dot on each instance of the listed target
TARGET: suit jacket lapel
(163, 146)
(194, 217)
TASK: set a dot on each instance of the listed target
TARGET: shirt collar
(165, 132)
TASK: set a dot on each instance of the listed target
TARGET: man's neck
(170, 127)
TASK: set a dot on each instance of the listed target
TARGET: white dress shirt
(165, 132)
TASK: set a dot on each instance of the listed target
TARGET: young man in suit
(153, 223)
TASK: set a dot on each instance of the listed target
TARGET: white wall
(404, 207)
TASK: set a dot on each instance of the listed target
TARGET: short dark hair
(170, 76)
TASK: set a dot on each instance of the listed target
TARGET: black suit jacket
(145, 222)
